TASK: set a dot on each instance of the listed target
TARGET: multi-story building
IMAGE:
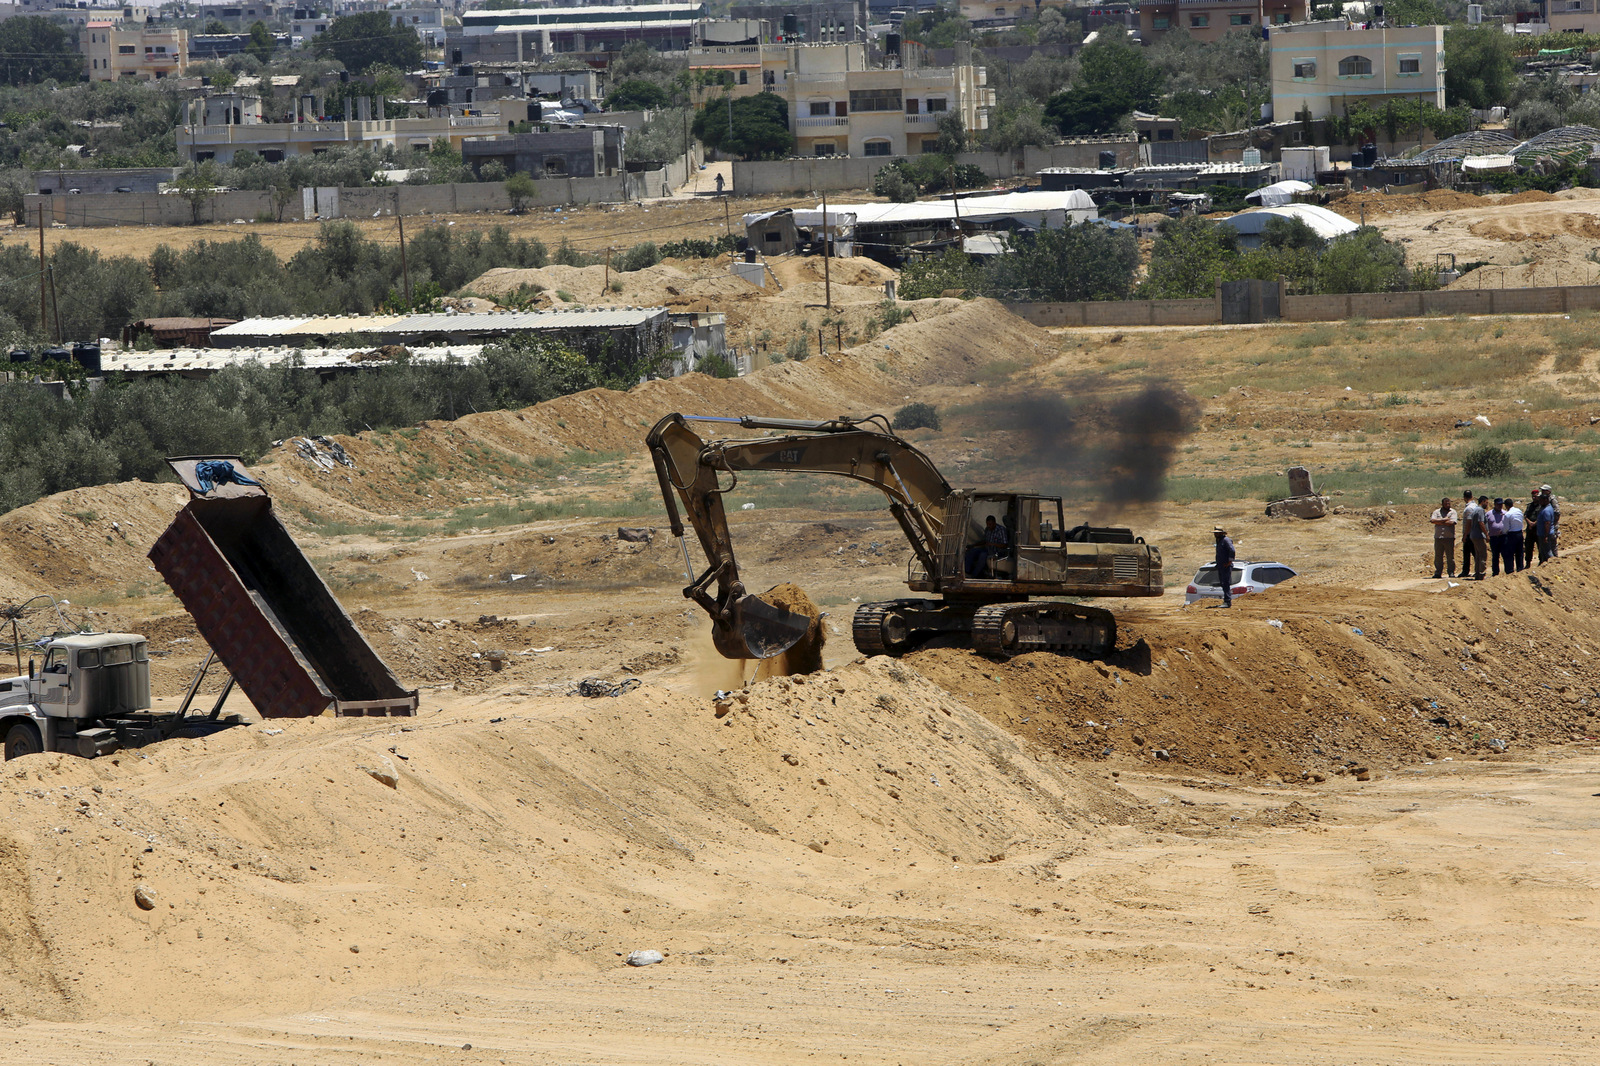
(145, 53)
(307, 24)
(839, 105)
(426, 22)
(1324, 70)
(1573, 16)
(1209, 20)
(819, 22)
(220, 126)
(537, 31)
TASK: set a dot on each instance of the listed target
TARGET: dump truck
(995, 608)
(268, 616)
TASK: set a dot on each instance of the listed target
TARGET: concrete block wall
(808, 175)
(152, 209)
(1206, 312)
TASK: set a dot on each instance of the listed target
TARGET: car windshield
(1208, 576)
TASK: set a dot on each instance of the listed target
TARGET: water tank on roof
(88, 357)
(1369, 155)
(1252, 157)
(891, 44)
(791, 24)
(21, 355)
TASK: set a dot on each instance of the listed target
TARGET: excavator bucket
(758, 630)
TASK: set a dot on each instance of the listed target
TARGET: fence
(170, 209)
(1207, 312)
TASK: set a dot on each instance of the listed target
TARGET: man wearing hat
(1530, 530)
(1547, 522)
(1224, 560)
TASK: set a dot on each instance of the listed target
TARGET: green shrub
(797, 348)
(917, 416)
(1486, 460)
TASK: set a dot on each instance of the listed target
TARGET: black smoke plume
(1113, 451)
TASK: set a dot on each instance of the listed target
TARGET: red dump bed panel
(272, 673)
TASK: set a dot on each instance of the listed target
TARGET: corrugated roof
(481, 322)
(191, 360)
(183, 323)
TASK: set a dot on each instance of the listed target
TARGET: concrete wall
(855, 172)
(152, 209)
(1120, 313)
(1551, 300)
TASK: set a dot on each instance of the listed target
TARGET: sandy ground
(1346, 821)
(698, 213)
(1530, 238)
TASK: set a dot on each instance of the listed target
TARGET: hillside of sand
(1290, 832)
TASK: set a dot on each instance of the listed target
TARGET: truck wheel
(23, 739)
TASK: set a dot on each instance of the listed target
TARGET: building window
(874, 100)
(1160, 22)
(912, 103)
(125, 49)
(1411, 64)
(744, 77)
(822, 149)
(1305, 69)
(999, 12)
(1163, 135)
(1199, 22)
(821, 108)
(1280, 18)
(936, 104)
(929, 145)
(1239, 20)
(555, 164)
(875, 148)
(1355, 67)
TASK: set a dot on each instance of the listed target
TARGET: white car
(1247, 578)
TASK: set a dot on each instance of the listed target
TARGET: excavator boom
(691, 470)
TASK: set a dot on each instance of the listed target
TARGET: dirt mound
(857, 270)
(662, 285)
(1378, 204)
(549, 840)
(486, 457)
(85, 538)
(1527, 196)
(1303, 683)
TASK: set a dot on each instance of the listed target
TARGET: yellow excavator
(988, 600)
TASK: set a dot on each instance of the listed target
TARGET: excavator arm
(691, 470)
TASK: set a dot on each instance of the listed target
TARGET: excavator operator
(993, 546)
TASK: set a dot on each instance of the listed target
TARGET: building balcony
(822, 121)
(925, 120)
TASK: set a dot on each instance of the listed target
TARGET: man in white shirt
(1515, 524)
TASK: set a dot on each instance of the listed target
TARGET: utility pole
(50, 271)
(43, 314)
(608, 269)
(727, 227)
(827, 250)
(405, 275)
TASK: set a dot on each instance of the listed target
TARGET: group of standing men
(1501, 533)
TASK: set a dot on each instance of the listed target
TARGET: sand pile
(666, 284)
(1379, 204)
(805, 657)
(1336, 685)
(305, 866)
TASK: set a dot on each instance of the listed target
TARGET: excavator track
(884, 629)
(1002, 630)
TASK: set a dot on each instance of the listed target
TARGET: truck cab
(86, 697)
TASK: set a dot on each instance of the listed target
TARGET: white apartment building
(839, 105)
(136, 51)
